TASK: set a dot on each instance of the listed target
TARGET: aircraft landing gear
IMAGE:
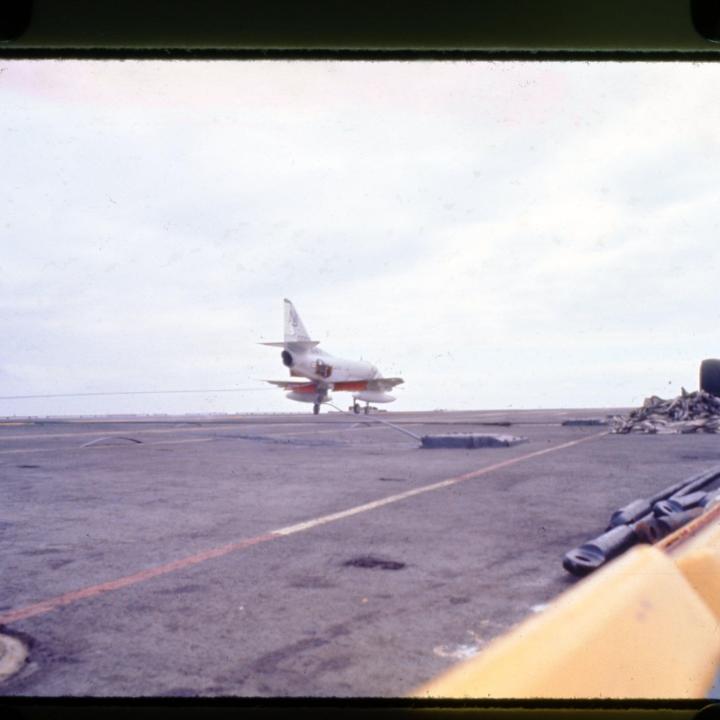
(366, 409)
(356, 407)
(321, 397)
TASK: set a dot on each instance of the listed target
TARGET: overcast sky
(498, 234)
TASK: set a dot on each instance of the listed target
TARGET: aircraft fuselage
(325, 368)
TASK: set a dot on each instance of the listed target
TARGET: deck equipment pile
(689, 412)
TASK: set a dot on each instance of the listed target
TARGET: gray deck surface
(284, 614)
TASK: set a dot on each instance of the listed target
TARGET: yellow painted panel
(699, 560)
(635, 629)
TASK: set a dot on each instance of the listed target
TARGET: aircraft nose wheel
(316, 408)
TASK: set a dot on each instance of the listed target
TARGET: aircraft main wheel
(316, 408)
(710, 376)
(367, 409)
(356, 409)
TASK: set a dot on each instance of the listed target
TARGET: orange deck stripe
(58, 601)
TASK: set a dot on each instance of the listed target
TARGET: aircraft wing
(383, 384)
(292, 384)
(376, 384)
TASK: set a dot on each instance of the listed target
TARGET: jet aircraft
(323, 372)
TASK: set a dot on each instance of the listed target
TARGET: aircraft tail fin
(294, 329)
(296, 336)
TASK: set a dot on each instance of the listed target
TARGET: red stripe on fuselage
(347, 385)
(307, 389)
(351, 385)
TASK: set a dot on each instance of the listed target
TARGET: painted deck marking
(291, 529)
(46, 606)
(68, 598)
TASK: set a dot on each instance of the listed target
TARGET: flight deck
(297, 555)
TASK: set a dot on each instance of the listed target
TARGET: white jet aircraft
(323, 372)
